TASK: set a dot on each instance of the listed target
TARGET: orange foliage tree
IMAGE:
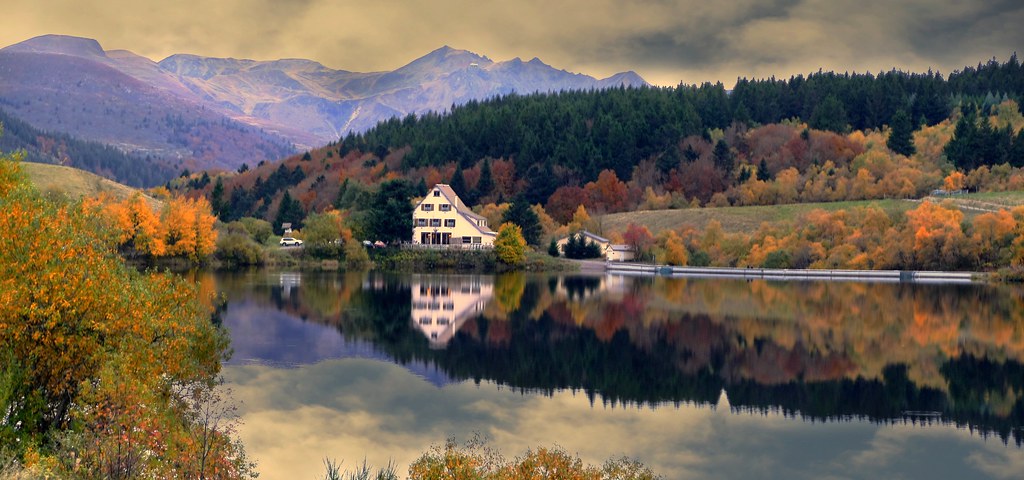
(108, 359)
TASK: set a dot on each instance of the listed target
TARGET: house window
(425, 321)
(476, 239)
(448, 306)
(467, 239)
(428, 207)
(437, 193)
(421, 222)
(435, 222)
(446, 207)
(442, 321)
(450, 222)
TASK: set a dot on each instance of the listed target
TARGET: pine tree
(521, 214)
(961, 148)
(829, 115)
(1016, 154)
(723, 157)
(762, 171)
(743, 176)
(217, 198)
(553, 248)
(458, 184)
(486, 183)
(901, 134)
(290, 211)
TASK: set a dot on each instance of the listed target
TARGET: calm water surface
(696, 378)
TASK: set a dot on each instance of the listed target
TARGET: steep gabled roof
(591, 236)
(463, 210)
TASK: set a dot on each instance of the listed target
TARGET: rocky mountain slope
(203, 112)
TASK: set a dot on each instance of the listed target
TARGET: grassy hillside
(985, 201)
(748, 219)
(75, 183)
(736, 219)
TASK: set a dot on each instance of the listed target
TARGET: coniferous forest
(571, 137)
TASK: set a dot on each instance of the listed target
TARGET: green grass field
(75, 183)
(736, 219)
(986, 200)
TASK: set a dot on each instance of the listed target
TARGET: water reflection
(891, 353)
(441, 304)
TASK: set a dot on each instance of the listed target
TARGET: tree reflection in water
(816, 350)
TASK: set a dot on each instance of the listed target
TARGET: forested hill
(63, 149)
(823, 137)
(591, 131)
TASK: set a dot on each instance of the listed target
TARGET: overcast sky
(665, 41)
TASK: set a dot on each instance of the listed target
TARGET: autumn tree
(608, 193)
(188, 228)
(509, 245)
(325, 233)
(674, 250)
(136, 227)
(103, 354)
(564, 202)
(640, 240)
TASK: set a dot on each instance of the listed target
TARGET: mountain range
(201, 112)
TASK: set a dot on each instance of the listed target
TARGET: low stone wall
(796, 274)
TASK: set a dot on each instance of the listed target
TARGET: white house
(442, 219)
(611, 252)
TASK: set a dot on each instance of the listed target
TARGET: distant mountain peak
(252, 108)
(627, 78)
(60, 44)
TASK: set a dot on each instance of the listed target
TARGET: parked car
(290, 242)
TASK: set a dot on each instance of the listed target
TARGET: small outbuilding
(611, 252)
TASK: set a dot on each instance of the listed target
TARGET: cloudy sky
(665, 41)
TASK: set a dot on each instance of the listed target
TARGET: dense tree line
(61, 148)
(976, 142)
(575, 135)
(255, 201)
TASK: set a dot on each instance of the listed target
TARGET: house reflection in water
(578, 288)
(289, 281)
(442, 303)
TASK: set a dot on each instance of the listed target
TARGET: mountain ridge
(179, 107)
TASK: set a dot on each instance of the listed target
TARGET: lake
(696, 378)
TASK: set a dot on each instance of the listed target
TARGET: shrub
(356, 257)
(238, 249)
(478, 461)
(579, 247)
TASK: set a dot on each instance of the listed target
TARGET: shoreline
(888, 276)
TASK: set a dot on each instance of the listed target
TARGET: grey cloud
(665, 41)
(348, 409)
